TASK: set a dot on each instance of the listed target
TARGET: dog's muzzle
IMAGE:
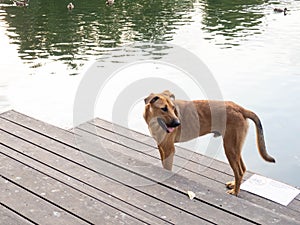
(169, 128)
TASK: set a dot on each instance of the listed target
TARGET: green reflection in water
(232, 20)
(47, 30)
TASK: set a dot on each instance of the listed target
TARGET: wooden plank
(9, 217)
(159, 192)
(125, 135)
(227, 198)
(183, 158)
(150, 144)
(201, 173)
(197, 163)
(69, 199)
(98, 186)
(32, 206)
(92, 189)
(142, 149)
(129, 196)
(207, 176)
(222, 199)
(78, 170)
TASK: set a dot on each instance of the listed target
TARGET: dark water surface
(252, 52)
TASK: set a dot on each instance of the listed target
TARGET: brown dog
(170, 121)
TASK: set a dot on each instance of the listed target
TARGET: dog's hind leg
(242, 169)
(242, 164)
(233, 142)
(167, 156)
(238, 175)
(235, 185)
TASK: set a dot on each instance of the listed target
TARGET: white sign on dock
(270, 189)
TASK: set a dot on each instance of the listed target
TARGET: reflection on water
(46, 30)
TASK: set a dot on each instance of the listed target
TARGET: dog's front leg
(167, 155)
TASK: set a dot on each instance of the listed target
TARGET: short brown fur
(170, 121)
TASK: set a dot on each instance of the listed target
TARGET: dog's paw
(230, 185)
(232, 192)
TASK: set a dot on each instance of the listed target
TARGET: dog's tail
(259, 136)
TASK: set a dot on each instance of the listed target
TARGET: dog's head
(160, 109)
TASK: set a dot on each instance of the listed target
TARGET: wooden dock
(101, 173)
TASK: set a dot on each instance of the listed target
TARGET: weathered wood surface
(101, 173)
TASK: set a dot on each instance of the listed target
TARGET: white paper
(270, 189)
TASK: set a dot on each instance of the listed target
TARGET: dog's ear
(169, 94)
(151, 98)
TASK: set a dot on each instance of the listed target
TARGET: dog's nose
(175, 123)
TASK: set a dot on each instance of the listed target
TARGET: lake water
(253, 55)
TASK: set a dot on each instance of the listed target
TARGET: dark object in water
(278, 10)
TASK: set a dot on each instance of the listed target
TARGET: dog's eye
(165, 109)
